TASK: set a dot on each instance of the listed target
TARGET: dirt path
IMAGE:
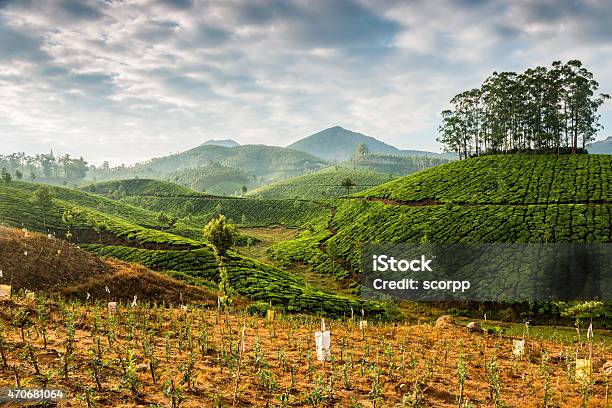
(429, 202)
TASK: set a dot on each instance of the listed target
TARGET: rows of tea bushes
(96, 202)
(308, 248)
(375, 222)
(507, 179)
(264, 282)
(132, 232)
(199, 262)
(322, 184)
(255, 280)
(242, 211)
(18, 208)
(146, 187)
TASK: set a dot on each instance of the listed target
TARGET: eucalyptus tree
(541, 109)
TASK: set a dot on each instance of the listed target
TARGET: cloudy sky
(127, 80)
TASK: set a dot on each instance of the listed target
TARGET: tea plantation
(507, 179)
(322, 184)
(242, 211)
(92, 217)
(115, 234)
(561, 199)
(250, 278)
(146, 187)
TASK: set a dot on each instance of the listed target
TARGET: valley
(297, 251)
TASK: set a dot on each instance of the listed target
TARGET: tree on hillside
(347, 183)
(244, 190)
(542, 109)
(18, 174)
(42, 196)
(361, 151)
(220, 233)
(6, 176)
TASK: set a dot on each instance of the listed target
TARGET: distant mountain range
(339, 144)
(224, 166)
(601, 147)
(269, 163)
(222, 142)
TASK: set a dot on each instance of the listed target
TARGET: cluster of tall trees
(543, 109)
(46, 166)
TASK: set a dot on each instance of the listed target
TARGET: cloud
(19, 45)
(106, 78)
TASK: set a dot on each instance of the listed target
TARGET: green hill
(507, 179)
(266, 162)
(601, 147)
(215, 179)
(110, 228)
(140, 187)
(520, 199)
(93, 218)
(394, 164)
(252, 212)
(326, 183)
(339, 144)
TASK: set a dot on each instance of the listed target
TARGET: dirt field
(107, 362)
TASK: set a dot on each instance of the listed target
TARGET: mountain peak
(338, 143)
(221, 142)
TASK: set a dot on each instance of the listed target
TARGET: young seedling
(545, 374)
(29, 355)
(494, 380)
(462, 373)
(174, 393)
(130, 376)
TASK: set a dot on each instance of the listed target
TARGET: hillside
(601, 147)
(521, 199)
(267, 162)
(508, 179)
(339, 144)
(394, 164)
(145, 187)
(83, 218)
(215, 179)
(92, 218)
(47, 264)
(326, 183)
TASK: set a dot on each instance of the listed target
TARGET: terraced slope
(94, 218)
(507, 179)
(543, 199)
(111, 235)
(145, 187)
(250, 278)
(326, 183)
(250, 212)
